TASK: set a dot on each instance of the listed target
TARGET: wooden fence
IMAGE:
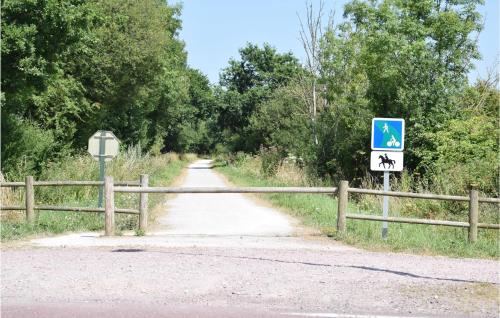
(30, 207)
(473, 199)
(342, 192)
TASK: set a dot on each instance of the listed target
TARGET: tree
(344, 124)
(71, 67)
(466, 148)
(282, 122)
(197, 120)
(310, 34)
(393, 58)
(41, 92)
(416, 56)
(246, 84)
(136, 69)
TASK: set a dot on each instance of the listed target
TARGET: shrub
(271, 160)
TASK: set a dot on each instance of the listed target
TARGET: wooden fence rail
(225, 190)
(473, 200)
(368, 217)
(68, 183)
(67, 208)
(342, 192)
(30, 206)
(420, 195)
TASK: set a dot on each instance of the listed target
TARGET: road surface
(224, 255)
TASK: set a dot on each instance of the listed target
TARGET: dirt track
(190, 269)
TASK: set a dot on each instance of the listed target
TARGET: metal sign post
(103, 146)
(385, 204)
(388, 139)
(102, 165)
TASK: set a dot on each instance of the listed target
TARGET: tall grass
(127, 166)
(320, 211)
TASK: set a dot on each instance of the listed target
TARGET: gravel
(274, 280)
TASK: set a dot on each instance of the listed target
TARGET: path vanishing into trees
(230, 255)
(220, 214)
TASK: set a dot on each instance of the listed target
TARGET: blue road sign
(388, 134)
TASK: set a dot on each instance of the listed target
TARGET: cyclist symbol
(393, 142)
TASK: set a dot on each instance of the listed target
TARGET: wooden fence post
(109, 207)
(143, 204)
(30, 199)
(473, 214)
(342, 206)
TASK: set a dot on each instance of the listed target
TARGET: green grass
(320, 211)
(161, 169)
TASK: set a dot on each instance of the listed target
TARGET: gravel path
(219, 214)
(265, 269)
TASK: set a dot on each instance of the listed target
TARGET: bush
(25, 147)
(271, 160)
(464, 152)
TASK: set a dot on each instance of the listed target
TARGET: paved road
(208, 258)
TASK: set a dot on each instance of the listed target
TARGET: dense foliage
(246, 84)
(70, 67)
(406, 59)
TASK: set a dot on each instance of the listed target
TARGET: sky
(214, 30)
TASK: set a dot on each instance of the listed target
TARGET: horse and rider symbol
(386, 160)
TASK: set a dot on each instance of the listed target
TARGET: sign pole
(385, 205)
(387, 144)
(102, 152)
